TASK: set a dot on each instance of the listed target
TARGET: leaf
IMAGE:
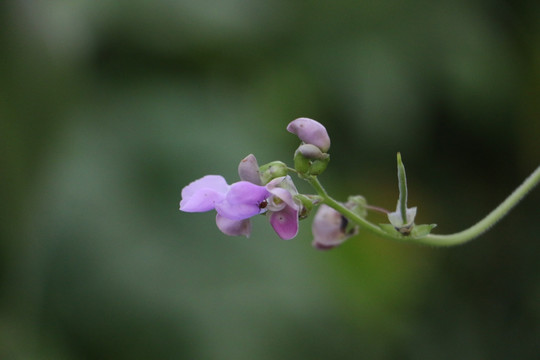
(420, 231)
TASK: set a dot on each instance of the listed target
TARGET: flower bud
(307, 161)
(318, 166)
(358, 205)
(272, 170)
(301, 163)
(310, 132)
(310, 151)
(330, 228)
(248, 170)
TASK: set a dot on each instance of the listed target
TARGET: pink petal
(284, 182)
(310, 132)
(233, 227)
(328, 228)
(283, 187)
(248, 170)
(285, 222)
(286, 196)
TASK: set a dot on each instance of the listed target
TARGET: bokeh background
(109, 108)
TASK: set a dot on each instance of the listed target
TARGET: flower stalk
(436, 239)
(491, 219)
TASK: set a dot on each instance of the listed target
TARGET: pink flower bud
(329, 228)
(310, 132)
(248, 170)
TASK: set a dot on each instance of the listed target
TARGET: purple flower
(234, 204)
(282, 208)
(310, 132)
(329, 228)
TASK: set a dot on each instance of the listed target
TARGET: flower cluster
(270, 191)
(238, 202)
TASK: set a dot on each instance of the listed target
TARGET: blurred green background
(109, 108)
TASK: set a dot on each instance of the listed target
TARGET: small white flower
(396, 219)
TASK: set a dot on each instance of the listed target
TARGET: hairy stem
(491, 219)
(433, 239)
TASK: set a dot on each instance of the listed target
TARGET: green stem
(433, 239)
(292, 170)
(486, 223)
(346, 212)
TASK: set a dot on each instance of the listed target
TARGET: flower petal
(242, 201)
(283, 188)
(284, 182)
(396, 219)
(411, 214)
(202, 194)
(285, 222)
(285, 197)
(310, 132)
(233, 227)
(310, 151)
(237, 211)
(328, 228)
(244, 192)
(248, 170)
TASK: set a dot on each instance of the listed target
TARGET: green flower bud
(301, 163)
(358, 205)
(309, 166)
(318, 166)
(272, 170)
